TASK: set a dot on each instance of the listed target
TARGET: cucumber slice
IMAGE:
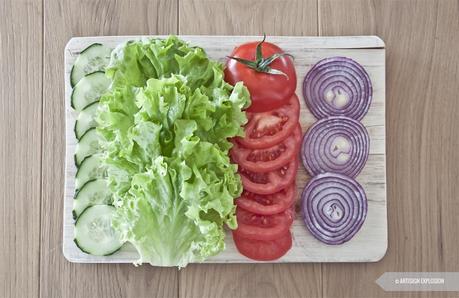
(91, 168)
(89, 89)
(86, 119)
(94, 233)
(94, 192)
(94, 58)
(88, 145)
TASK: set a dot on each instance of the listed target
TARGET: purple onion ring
(338, 86)
(336, 144)
(334, 207)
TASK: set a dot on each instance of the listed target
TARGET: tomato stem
(262, 64)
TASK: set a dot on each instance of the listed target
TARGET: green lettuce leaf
(165, 124)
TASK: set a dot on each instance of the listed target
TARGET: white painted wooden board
(369, 244)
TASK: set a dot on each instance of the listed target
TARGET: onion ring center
(340, 149)
(337, 97)
(333, 209)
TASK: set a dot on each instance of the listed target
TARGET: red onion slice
(334, 207)
(338, 86)
(336, 144)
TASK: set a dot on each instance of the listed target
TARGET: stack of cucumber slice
(92, 207)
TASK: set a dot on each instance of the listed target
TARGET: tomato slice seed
(270, 182)
(267, 129)
(268, 159)
(267, 204)
(263, 227)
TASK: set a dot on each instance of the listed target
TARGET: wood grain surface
(20, 146)
(422, 43)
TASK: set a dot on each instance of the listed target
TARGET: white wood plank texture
(370, 243)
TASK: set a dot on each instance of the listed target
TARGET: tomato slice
(267, 204)
(267, 129)
(270, 182)
(269, 159)
(262, 250)
(263, 227)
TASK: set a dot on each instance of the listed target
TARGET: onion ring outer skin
(334, 207)
(334, 79)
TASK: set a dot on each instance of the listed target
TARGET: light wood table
(422, 46)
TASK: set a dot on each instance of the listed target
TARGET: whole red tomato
(266, 71)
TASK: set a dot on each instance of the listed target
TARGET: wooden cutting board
(368, 245)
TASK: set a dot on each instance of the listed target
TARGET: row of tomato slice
(268, 163)
(268, 154)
